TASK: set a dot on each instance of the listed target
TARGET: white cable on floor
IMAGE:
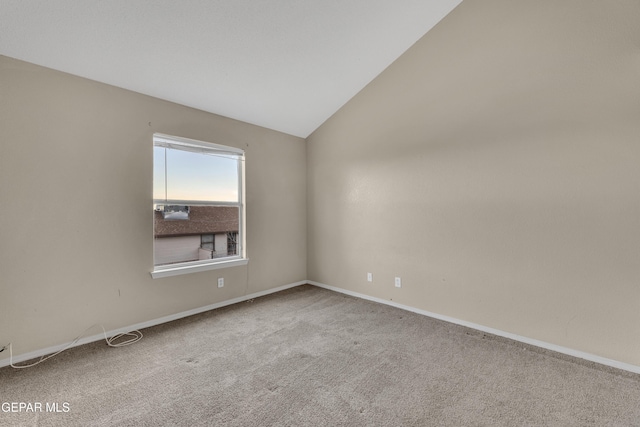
(135, 334)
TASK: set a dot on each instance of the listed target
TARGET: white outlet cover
(369, 277)
(220, 282)
(398, 282)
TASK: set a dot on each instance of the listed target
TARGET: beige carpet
(312, 357)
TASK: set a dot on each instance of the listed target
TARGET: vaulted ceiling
(286, 65)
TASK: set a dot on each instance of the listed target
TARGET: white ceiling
(286, 65)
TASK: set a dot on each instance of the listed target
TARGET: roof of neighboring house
(202, 220)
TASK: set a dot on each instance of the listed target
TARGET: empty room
(320, 213)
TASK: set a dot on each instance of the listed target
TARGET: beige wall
(76, 183)
(495, 168)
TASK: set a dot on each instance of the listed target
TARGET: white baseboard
(85, 340)
(564, 350)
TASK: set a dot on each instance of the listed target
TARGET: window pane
(208, 227)
(198, 177)
(158, 173)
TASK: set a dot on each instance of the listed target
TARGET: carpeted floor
(311, 357)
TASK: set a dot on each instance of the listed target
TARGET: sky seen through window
(194, 176)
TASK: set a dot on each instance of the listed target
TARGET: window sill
(186, 269)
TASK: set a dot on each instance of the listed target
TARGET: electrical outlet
(398, 282)
(369, 277)
(220, 282)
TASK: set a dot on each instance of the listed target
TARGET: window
(232, 242)
(198, 206)
(206, 241)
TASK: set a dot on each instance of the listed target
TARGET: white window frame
(168, 141)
